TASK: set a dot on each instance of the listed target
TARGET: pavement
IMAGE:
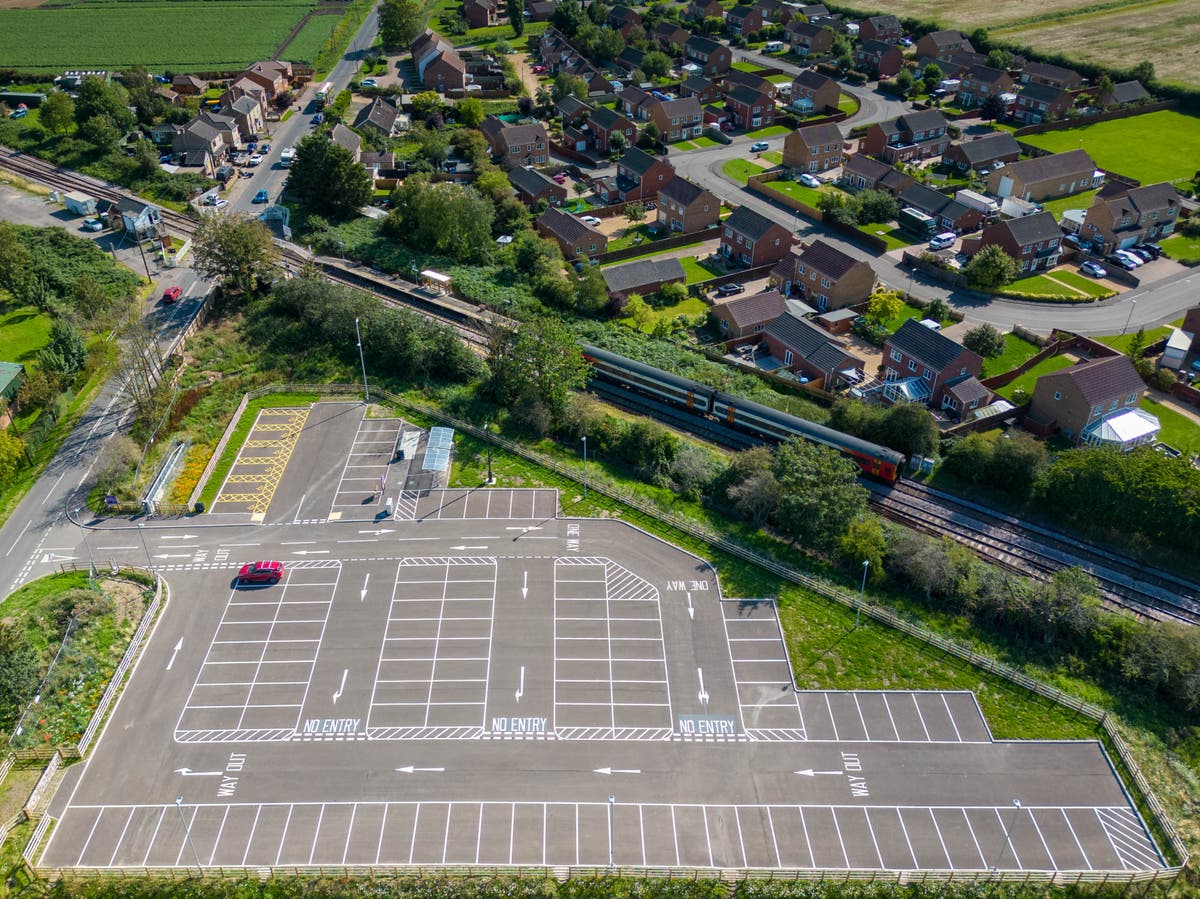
(480, 678)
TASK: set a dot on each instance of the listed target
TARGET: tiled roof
(759, 307)
(1033, 228)
(1141, 200)
(968, 389)
(638, 161)
(1102, 380)
(986, 74)
(989, 147)
(745, 220)
(644, 272)
(344, 137)
(859, 164)
(703, 44)
(926, 120)
(530, 180)
(568, 227)
(827, 259)
(874, 47)
(931, 347)
(608, 119)
(1056, 165)
(681, 190)
(1045, 70)
(819, 135)
(748, 96)
(806, 339)
(1043, 93)
(926, 199)
(1128, 92)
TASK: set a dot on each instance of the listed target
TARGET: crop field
(1121, 33)
(312, 37)
(1159, 146)
(181, 35)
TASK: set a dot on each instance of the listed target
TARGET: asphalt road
(468, 684)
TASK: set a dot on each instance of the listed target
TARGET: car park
(92, 224)
(759, 146)
(810, 180)
(262, 197)
(261, 573)
(589, 220)
(171, 295)
(728, 290)
(1095, 269)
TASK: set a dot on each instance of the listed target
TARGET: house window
(824, 281)
(927, 375)
(787, 357)
(758, 328)
(1112, 405)
(1131, 399)
(963, 370)
(895, 356)
(799, 269)
(724, 325)
(1099, 410)
(1057, 395)
(912, 366)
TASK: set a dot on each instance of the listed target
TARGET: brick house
(604, 123)
(1039, 102)
(274, 75)
(1079, 401)
(481, 13)
(383, 117)
(1033, 240)
(929, 358)
(680, 119)
(965, 394)
(744, 20)
(813, 92)
(824, 276)
(644, 277)
(736, 78)
(861, 172)
(634, 102)
(815, 148)
(1046, 177)
(983, 152)
(915, 135)
(540, 10)
(748, 316)
(808, 350)
(879, 59)
(881, 28)
(531, 185)
(750, 108)
(248, 115)
(670, 36)
(751, 239)
(1051, 76)
(574, 236)
(640, 176)
(517, 145)
(686, 207)
(1120, 217)
(949, 213)
(438, 64)
(713, 57)
(188, 85)
(701, 88)
(699, 10)
(572, 110)
(808, 38)
(624, 19)
(940, 44)
(981, 82)
(1125, 93)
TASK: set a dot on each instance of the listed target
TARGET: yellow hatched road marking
(289, 423)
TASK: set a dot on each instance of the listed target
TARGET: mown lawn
(746, 67)
(690, 306)
(848, 103)
(630, 237)
(906, 312)
(1087, 285)
(1159, 146)
(1016, 351)
(652, 252)
(23, 332)
(1039, 286)
(696, 271)
(740, 169)
(1121, 341)
(1185, 249)
(797, 191)
(896, 238)
(769, 131)
(1178, 431)
(1026, 381)
(1075, 201)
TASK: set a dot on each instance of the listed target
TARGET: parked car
(1142, 253)
(759, 146)
(220, 203)
(264, 147)
(590, 220)
(560, 178)
(727, 126)
(539, 70)
(318, 118)
(1125, 254)
(92, 224)
(252, 147)
(171, 295)
(20, 112)
(943, 241)
(1121, 262)
(262, 197)
(369, 82)
(728, 290)
(255, 159)
(810, 180)
(1095, 269)
(1155, 249)
(261, 573)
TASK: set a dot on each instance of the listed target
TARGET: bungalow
(750, 108)
(824, 276)
(517, 145)
(809, 350)
(748, 315)
(531, 185)
(1034, 241)
(347, 140)
(816, 148)
(1094, 402)
(861, 172)
(881, 28)
(808, 38)
(949, 213)
(983, 152)
(1121, 217)
(914, 135)
(686, 208)
(383, 117)
(604, 123)
(713, 57)
(1051, 76)
(679, 119)
(1126, 93)
(980, 83)
(918, 363)
(645, 276)
(813, 92)
(744, 20)
(1040, 102)
(751, 239)
(640, 176)
(1046, 177)
(880, 59)
(939, 44)
(572, 235)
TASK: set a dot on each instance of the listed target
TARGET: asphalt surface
(457, 686)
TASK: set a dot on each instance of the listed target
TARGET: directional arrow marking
(188, 772)
(309, 552)
(379, 532)
(55, 557)
(523, 529)
(362, 594)
(521, 685)
(338, 693)
(703, 695)
(409, 769)
(469, 547)
(173, 556)
(525, 586)
(691, 611)
(809, 772)
(616, 770)
(179, 537)
(175, 652)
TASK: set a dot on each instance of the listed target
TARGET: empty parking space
(368, 462)
(766, 697)
(260, 462)
(483, 503)
(893, 716)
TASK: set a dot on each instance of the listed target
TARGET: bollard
(389, 507)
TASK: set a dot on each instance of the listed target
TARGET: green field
(182, 36)
(1026, 381)
(312, 37)
(1160, 146)
(1016, 351)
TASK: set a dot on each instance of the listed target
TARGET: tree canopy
(236, 249)
(328, 178)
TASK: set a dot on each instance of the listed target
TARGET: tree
(236, 249)
(591, 291)
(568, 17)
(101, 133)
(427, 103)
(1104, 86)
(819, 493)
(639, 312)
(327, 178)
(931, 77)
(751, 485)
(985, 340)
(116, 461)
(864, 541)
(66, 352)
(568, 85)
(617, 144)
(905, 81)
(516, 16)
(1137, 345)
(16, 265)
(999, 59)
(991, 268)
(939, 309)
(672, 293)
(875, 206)
(656, 64)
(1144, 72)
(909, 428)
(58, 112)
(469, 111)
(635, 212)
(400, 21)
(538, 364)
(107, 99)
(452, 219)
(20, 670)
(12, 453)
(40, 390)
(1017, 460)
(884, 306)
(992, 108)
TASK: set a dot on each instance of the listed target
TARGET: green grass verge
(1182, 248)
(1039, 286)
(906, 312)
(769, 131)
(773, 156)
(1158, 146)
(1026, 381)
(24, 331)
(781, 78)
(895, 238)
(241, 431)
(810, 196)
(492, 33)
(746, 67)
(1087, 285)
(1177, 430)
(1016, 351)
(848, 103)
(740, 169)
(650, 253)
(1121, 341)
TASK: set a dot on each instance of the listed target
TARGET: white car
(759, 146)
(369, 82)
(255, 159)
(1133, 260)
(589, 220)
(810, 180)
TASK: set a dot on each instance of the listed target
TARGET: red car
(538, 70)
(172, 295)
(261, 573)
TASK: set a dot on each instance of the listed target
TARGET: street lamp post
(86, 543)
(1132, 306)
(187, 832)
(142, 534)
(862, 589)
(612, 803)
(363, 362)
(585, 482)
(487, 427)
(1008, 834)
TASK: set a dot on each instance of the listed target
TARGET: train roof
(648, 371)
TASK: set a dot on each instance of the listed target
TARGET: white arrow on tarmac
(175, 652)
(469, 547)
(173, 556)
(362, 594)
(338, 693)
(703, 695)
(409, 769)
(309, 552)
(378, 532)
(188, 772)
(691, 611)
(616, 770)
(521, 685)
(55, 557)
(809, 772)
(525, 587)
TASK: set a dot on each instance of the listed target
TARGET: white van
(286, 156)
(943, 240)
(774, 47)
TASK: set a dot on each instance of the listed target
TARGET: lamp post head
(866, 564)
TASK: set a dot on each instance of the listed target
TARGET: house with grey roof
(914, 135)
(811, 352)
(748, 316)
(751, 239)
(983, 152)
(1046, 177)
(574, 236)
(383, 117)
(1034, 241)
(643, 276)
(531, 185)
(824, 276)
(919, 361)
(1094, 402)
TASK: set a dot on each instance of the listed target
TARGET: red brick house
(624, 19)
(531, 185)
(928, 360)
(713, 57)
(813, 92)
(808, 350)
(824, 276)
(1120, 217)
(680, 119)
(751, 239)
(686, 208)
(1034, 241)
(983, 152)
(879, 59)
(572, 235)
(640, 176)
(744, 20)
(750, 108)
(481, 13)
(699, 10)
(604, 123)
(188, 85)
(940, 44)
(861, 172)
(670, 36)
(1041, 102)
(881, 28)
(815, 148)
(1079, 401)
(737, 78)
(701, 88)
(748, 316)
(1051, 76)
(517, 145)
(809, 39)
(981, 82)
(915, 135)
